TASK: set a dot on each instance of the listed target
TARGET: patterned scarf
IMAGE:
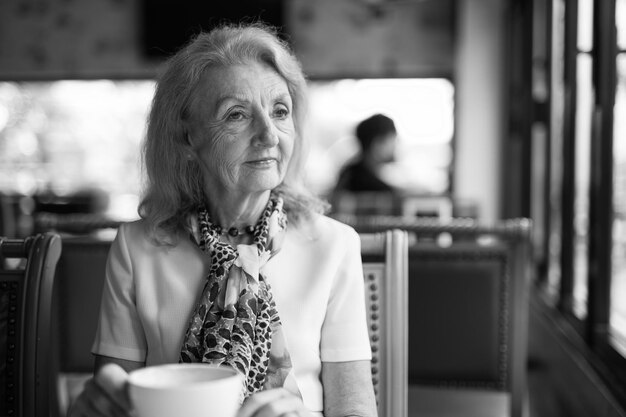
(235, 322)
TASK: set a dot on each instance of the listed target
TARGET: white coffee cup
(185, 390)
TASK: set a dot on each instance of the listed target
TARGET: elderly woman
(232, 262)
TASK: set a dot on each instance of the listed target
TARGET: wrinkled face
(241, 129)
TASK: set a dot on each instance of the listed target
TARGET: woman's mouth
(262, 162)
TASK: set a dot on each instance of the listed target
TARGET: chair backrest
(468, 314)
(430, 228)
(78, 288)
(469, 307)
(26, 281)
(459, 316)
(80, 277)
(385, 271)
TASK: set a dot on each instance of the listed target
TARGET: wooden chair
(26, 281)
(430, 228)
(468, 313)
(384, 256)
(385, 270)
(468, 339)
(469, 318)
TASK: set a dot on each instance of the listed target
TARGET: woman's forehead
(240, 82)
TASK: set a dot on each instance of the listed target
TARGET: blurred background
(504, 108)
(77, 79)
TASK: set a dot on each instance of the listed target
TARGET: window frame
(594, 328)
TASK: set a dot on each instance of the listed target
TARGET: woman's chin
(260, 184)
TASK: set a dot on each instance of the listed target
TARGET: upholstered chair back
(385, 271)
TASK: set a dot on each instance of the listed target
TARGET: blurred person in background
(377, 137)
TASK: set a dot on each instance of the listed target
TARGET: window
(618, 254)
(587, 253)
(555, 177)
(66, 137)
(582, 152)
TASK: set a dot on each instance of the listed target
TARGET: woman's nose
(265, 134)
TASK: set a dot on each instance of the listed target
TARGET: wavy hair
(174, 185)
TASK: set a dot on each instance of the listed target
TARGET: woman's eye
(281, 112)
(235, 115)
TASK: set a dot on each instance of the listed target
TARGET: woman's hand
(104, 395)
(273, 403)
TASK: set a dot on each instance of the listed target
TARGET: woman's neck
(233, 211)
